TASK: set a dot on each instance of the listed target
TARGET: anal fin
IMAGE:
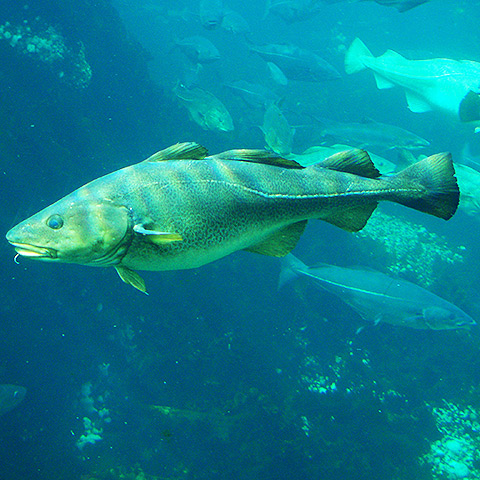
(416, 104)
(352, 219)
(281, 242)
(382, 82)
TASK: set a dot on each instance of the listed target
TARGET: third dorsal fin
(354, 161)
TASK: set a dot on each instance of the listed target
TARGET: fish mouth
(33, 251)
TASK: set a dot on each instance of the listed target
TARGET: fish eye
(55, 222)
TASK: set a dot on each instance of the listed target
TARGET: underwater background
(217, 374)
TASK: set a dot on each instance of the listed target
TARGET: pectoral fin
(132, 278)
(157, 236)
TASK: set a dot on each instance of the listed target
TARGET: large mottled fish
(438, 84)
(182, 209)
(10, 397)
(380, 298)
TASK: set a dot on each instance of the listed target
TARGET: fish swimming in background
(204, 108)
(297, 63)
(211, 13)
(278, 133)
(380, 298)
(293, 10)
(438, 84)
(182, 209)
(10, 397)
(198, 49)
(372, 134)
(400, 5)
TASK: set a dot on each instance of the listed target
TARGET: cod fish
(198, 49)
(204, 108)
(278, 133)
(373, 134)
(10, 397)
(400, 5)
(380, 298)
(211, 13)
(438, 84)
(182, 209)
(297, 63)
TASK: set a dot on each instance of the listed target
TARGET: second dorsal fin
(257, 156)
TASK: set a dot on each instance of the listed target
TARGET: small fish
(441, 84)
(211, 13)
(373, 134)
(293, 10)
(183, 209)
(254, 94)
(380, 298)
(277, 131)
(297, 63)
(204, 108)
(234, 23)
(10, 397)
(400, 5)
(198, 49)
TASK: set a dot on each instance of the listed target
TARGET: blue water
(216, 374)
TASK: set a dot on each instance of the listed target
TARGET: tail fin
(354, 56)
(291, 267)
(438, 191)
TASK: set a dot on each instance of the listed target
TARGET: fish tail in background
(354, 56)
(434, 179)
(291, 267)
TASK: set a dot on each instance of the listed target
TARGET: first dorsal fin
(180, 151)
(257, 156)
(354, 161)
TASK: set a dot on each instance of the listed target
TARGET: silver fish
(297, 63)
(380, 298)
(441, 84)
(373, 134)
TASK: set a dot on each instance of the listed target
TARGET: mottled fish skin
(179, 210)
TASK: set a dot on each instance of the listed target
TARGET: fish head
(79, 228)
(417, 143)
(445, 318)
